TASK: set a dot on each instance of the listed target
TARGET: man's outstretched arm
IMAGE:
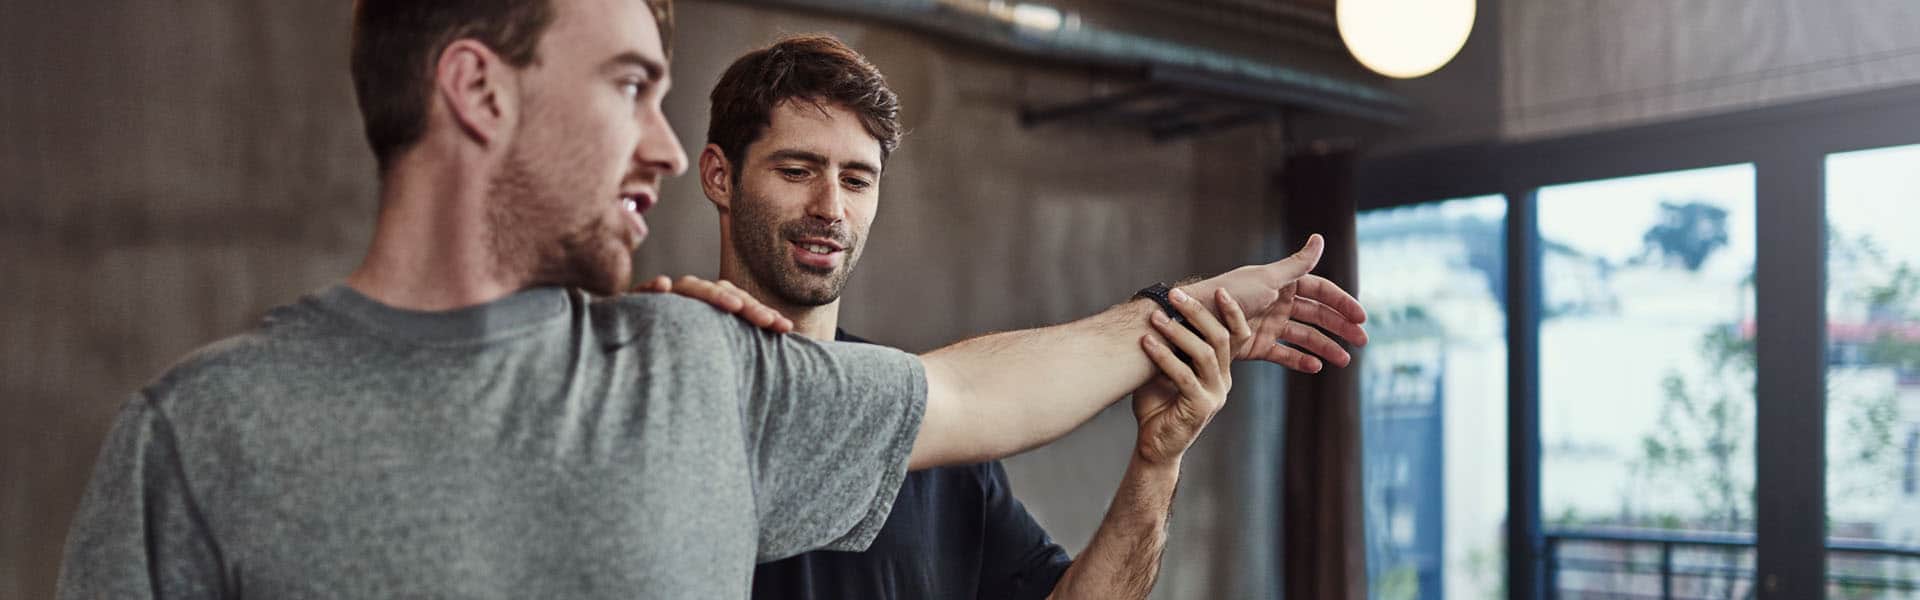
(997, 395)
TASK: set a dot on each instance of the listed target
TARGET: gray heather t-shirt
(545, 445)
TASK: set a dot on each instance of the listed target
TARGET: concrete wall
(171, 170)
(167, 172)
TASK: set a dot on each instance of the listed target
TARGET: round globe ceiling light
(1404, 38)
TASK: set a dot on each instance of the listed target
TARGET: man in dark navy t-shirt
(799, 134)
(955, 532)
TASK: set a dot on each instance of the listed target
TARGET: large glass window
(1647, 382)
(1873, 370)
(1433, 398)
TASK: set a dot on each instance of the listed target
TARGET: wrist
(1126, 314)
(1148, 459)
(1165, 298)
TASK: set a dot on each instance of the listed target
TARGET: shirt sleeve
(137, 533)
(829, 428)
(1019, 560)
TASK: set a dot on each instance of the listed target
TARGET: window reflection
(1873, 367)
(1433, 398)
(1646, 379)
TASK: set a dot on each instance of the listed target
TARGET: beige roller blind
(1580, 65)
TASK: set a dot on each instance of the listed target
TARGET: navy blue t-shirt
(955, 532)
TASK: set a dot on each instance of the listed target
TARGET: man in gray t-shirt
(459, 419)
(540, 446)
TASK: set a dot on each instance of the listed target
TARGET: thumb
(1288, 269)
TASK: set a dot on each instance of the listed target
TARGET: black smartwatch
(1158, 294)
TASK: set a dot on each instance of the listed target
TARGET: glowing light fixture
(1404, 38)
(1036, 16)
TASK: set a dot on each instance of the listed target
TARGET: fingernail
(1159, 318)
(1180, 295)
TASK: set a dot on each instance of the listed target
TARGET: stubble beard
(761, 241)
(539, 236)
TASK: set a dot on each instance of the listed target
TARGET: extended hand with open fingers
(1296, 315)
(722, 295)
(1176, 405)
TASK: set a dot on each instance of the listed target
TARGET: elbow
(963, 424)
(933, 445)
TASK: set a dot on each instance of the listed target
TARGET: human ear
(716, 177)
(472, 83)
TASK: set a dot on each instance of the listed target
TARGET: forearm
(998, 395)
(1123, 560)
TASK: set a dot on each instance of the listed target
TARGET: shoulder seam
(164, 427)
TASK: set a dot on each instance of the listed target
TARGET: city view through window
(1647, 373)
(1873, 367)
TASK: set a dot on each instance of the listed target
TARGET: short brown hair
(810, 68)
(395, 43)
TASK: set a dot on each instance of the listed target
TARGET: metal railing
(1732, 569)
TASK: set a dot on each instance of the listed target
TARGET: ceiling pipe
(1039, 32)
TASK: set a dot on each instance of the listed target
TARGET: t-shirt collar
(513, 313)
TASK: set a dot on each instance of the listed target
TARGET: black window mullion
(1526, 566)
(1790, 395)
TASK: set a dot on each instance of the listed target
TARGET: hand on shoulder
(722, 295)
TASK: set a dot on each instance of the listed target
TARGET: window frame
(1788, 145)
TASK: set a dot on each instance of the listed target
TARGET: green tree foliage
(1687, 233)
(1702, 445)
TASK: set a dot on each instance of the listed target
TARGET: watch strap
(1160, 293)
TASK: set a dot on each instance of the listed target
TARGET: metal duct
(1225, 89)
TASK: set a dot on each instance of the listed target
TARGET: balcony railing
(1685, 565)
